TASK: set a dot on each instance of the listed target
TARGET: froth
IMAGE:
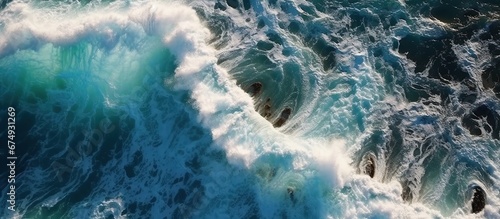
(332, 163)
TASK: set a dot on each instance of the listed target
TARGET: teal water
(144, 109)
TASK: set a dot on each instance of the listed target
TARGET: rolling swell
(410, 87)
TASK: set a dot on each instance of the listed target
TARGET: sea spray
(189, 142)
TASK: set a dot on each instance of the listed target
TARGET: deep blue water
(252, 109)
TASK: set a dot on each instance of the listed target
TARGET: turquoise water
(144, 109)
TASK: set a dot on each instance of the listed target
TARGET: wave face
(252, 109)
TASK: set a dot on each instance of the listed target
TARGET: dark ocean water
(252, 109)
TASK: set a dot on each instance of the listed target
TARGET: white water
(308, 154)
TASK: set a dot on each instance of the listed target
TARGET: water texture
(252, 109)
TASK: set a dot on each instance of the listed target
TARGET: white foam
(225, 109)
(106, 208)
(330, 160)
